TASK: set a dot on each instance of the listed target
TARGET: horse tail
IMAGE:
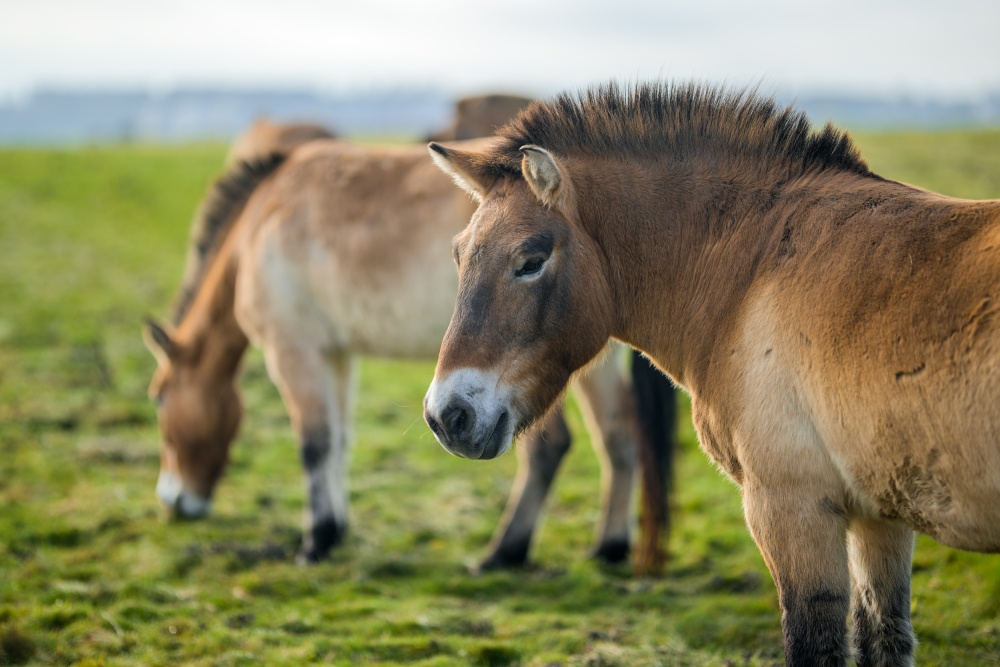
(216, 216)
(656, 415)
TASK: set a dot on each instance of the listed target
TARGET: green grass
(92, 239)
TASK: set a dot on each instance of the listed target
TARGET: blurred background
(116, 70)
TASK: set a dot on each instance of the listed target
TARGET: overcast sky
(931, 49)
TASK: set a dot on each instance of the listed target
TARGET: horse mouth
(178, 502)
(496, 438)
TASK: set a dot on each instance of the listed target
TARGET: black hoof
(320, 540)
(506, 557)
(612, 552)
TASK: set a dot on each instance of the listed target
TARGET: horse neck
(684, 246)
(210, 325)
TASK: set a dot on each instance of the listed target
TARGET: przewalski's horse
(837, 331)
(333, 252)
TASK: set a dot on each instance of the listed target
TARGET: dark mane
(220, 209)
(655, 118)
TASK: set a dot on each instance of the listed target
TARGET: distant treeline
(67, 117)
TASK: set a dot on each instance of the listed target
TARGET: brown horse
(313, 258)
(837, 331)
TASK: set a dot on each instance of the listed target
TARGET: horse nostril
(456, 420)
(435, 426)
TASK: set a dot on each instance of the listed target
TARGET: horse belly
(938, 472)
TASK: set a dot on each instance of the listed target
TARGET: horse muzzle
(179, 501)
(469, 414)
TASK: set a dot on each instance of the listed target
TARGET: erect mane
(656, 119)
(215, 218)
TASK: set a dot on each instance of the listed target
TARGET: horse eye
(530, 267)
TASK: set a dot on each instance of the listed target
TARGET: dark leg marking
(815, 627)
(508, 554)
(612, 552)
(315, 448)
(886, 639)
(325, 533)
(318, 542)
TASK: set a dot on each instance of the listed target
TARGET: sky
(871, 47)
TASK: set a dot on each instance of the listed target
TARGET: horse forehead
(505, 216)
(489, 216)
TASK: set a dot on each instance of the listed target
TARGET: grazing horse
(837, 331)
(316, 259)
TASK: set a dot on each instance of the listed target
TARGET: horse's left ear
(548, 180)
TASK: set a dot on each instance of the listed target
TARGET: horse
(837, 331)
(310, 256)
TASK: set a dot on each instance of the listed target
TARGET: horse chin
(500, 438)
(178, 501)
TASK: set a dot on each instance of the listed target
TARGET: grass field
(92, 239)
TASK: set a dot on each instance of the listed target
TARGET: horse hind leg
(539, 456)
(881, 556)
(316, 392)
(607, 407)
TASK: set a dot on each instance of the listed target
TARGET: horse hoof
(504, 558)
(493, 564)
(320, 540)
(612, 552)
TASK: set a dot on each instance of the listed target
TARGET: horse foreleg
(313, 388)
(607, 407)
(803, 543)
(539, 456)
(881, 556)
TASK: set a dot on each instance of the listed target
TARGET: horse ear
(158, 340)
(463, 168)
(547, 179)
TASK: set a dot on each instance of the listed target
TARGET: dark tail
(215, 217)
(656, 417)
